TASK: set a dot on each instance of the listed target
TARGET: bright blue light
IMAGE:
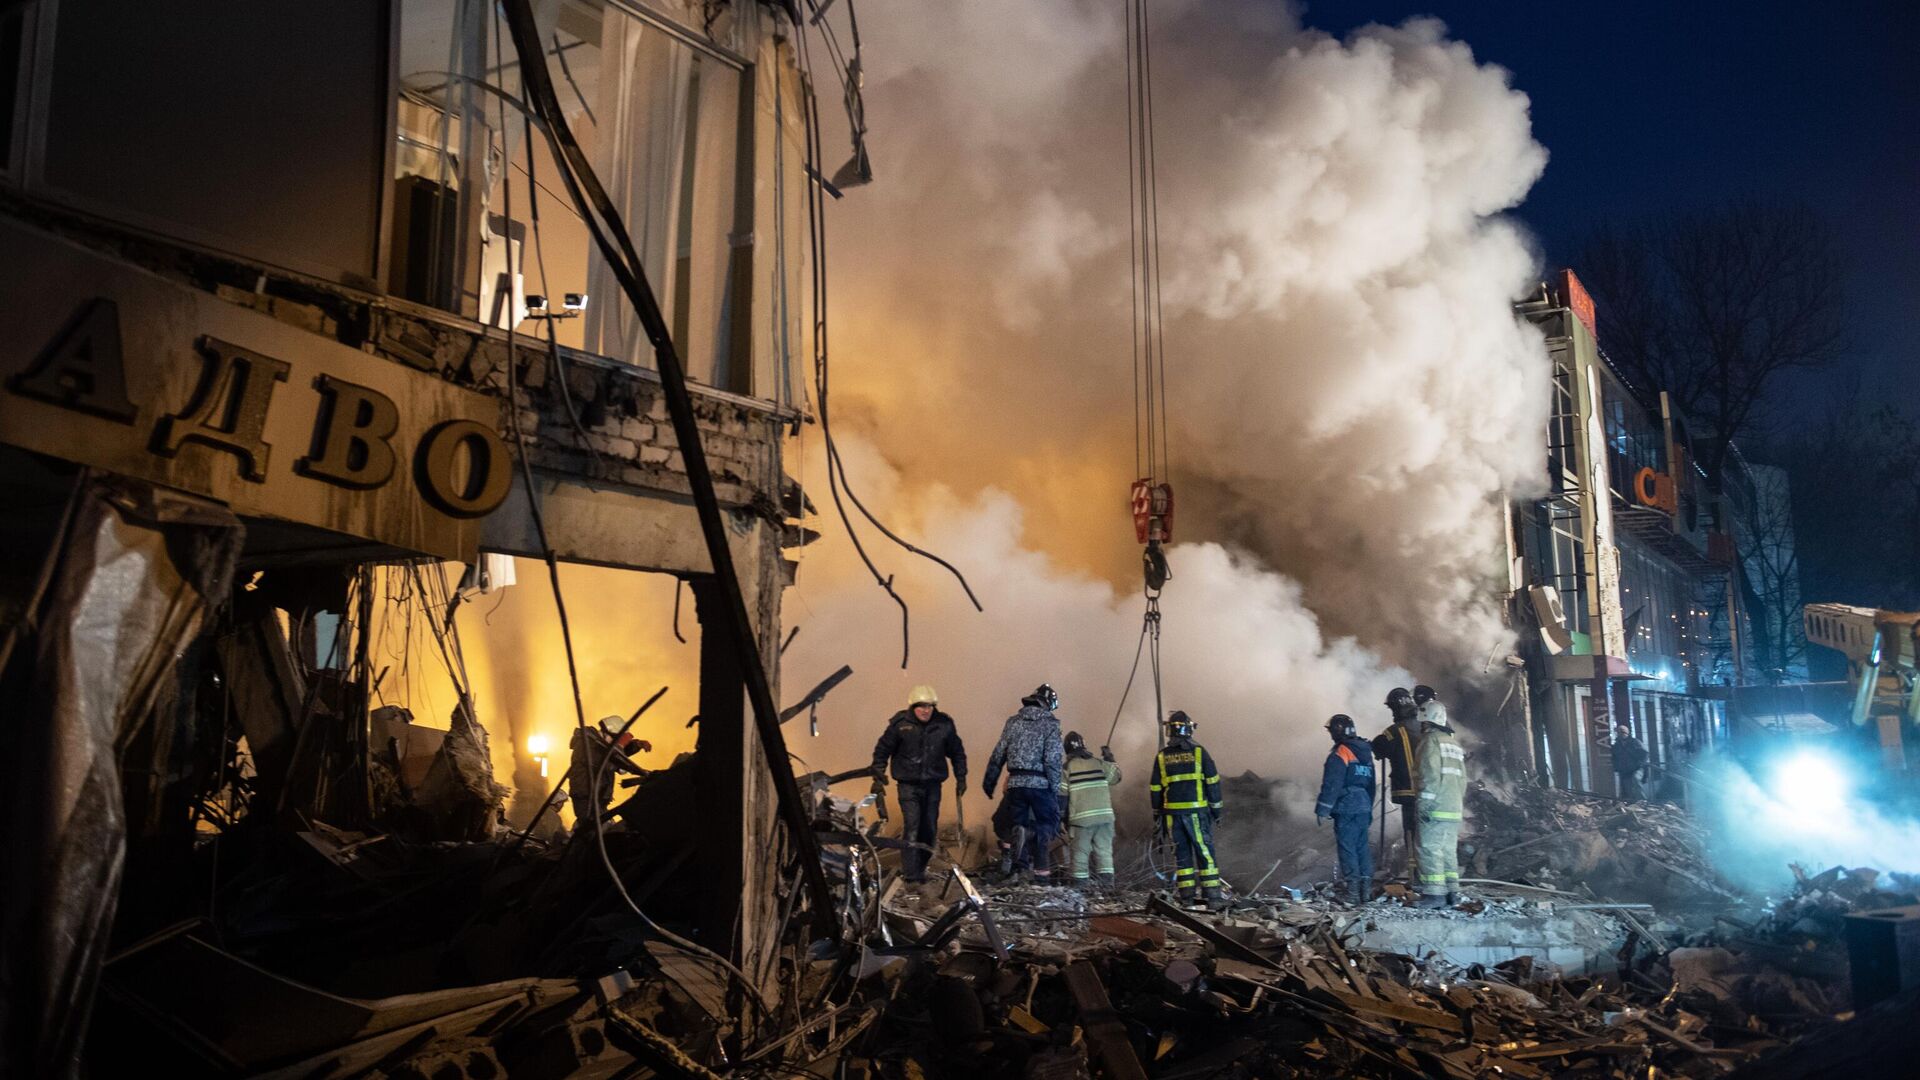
(1810, 782)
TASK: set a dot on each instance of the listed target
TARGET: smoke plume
(1350, 394)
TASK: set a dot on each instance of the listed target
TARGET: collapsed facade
(298, 306)
(1626, 576)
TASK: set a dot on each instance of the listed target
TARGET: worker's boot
(1006, 861)
(1359, 893)
(1430, 902)
(1454, 899)
(1213, 897)
(1106, 881)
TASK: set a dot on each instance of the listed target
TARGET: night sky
(1651, 106)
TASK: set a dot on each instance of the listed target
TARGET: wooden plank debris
(1106, 1034)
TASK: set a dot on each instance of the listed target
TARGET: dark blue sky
(1649, 106)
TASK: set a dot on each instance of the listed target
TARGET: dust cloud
(1350, 395)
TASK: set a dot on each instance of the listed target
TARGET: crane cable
(1152, 496)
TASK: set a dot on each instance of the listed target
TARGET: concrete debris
(1559, 839)
(360, 952)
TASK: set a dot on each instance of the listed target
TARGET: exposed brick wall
(621, 409)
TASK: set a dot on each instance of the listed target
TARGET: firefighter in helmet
(1185, 789)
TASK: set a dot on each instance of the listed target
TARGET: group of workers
(1427, 778)
(1051, 782)
(1054, 781)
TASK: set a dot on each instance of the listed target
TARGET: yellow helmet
(922, 695)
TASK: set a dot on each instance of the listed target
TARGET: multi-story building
(299, 276)
(1626, 595)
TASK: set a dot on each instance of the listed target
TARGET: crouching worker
(1346, 796)
(1031, 753)
(1088, 791)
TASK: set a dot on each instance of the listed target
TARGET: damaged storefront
(298, 376)
(1622, 571)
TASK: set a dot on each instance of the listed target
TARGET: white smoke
(1804, 808)
(1351, 397)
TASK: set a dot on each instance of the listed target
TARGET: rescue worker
(918, 742)
(1185, 789)
(1087, 789)
(1630, 759)
(1440, 767)
(1395, 747)
(1031, 752)
(597, 757)
(1346, 796)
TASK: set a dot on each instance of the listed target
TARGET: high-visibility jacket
(1395, 747)
(1441, 767)
(1184, 778)
(1088, 788)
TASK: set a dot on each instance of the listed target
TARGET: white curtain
(642, 115)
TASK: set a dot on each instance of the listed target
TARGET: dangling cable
(1152, 496)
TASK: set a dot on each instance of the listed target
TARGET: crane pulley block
(1152, 512)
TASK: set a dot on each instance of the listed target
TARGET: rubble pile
(1557, 839)
(1128, 985)
(330, 953)
(1803, 932)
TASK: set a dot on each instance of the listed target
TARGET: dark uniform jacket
(1395, 747)
(1629, 755)
(920, 752)
(1185, 779)
(1346, 784)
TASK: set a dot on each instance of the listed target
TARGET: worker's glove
(879, 787)
(640, 746)
(1321, 818)
(1106, 753)
(1216, 813)
(987, 789)
(1426, 818)
(959, 785)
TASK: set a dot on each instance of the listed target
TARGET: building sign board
(106, 365)
(1655, 490)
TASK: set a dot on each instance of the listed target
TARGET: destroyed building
(321, 315)
(1627, 603)
(298, 303)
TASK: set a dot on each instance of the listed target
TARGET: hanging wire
(751, 990)
(1147, 333)
(838, 484)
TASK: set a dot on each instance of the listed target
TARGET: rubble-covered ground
(1595, 941)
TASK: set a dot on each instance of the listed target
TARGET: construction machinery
(1881, 648)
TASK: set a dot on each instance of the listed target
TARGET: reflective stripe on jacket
(1395, 747)
(1184, 778)
(1088, 789)
(1441, 766)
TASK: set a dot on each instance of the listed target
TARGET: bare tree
(1770, 576)
(1715, 306)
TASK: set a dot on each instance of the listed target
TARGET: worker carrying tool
(1087, 789)
(1031, 752)
(919, 742)
(1346, 796)
(1395, 747)
(1440, 767)
(598, 755)
(1185, 789)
